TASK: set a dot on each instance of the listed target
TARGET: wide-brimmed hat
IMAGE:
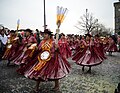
(47, 31)
(28, 30)
(88, 35)
(62, 34)
(12, 31)
(97, 35)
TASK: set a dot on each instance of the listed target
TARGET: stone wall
(117, 16)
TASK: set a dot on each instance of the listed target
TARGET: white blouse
(4, 39)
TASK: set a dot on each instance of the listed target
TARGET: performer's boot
(83, 68)
(0, 57)
(119, 50)
(89, 71)
(110, 53)
(36, 90)
(118, 87)
(8, 63)
(56, 87)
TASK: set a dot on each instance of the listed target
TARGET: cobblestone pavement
(103, 79)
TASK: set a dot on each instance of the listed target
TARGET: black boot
(118, 87)
(89, 71)
(83, 68)
(8, 63)
(110, 53)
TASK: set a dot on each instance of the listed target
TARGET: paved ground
(103, 79)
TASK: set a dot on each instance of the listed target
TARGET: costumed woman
(49, 64)
(112, 45)
(89, 56)
(99, 46)
(27, 41)
(105, 44)
(12, 46)
(79, 44)
(71, 43)
(63, 46)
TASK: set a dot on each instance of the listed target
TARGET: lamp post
(44, 16)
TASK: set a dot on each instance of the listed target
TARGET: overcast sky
(30, 13)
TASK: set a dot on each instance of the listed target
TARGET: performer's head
(28, 32)
(2, 31)
(12, 32)
(97, 36)
(47, 34)
(88, 36)
(83, 37)
(62, 35)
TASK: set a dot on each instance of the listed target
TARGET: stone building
(117, 16)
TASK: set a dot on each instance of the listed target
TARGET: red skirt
(57, 67)
(65, 51)
(112, 48)
(17, 53)
(88, 57)
(10, 51)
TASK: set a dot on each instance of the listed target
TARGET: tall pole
(44, 16)
(97, 26)
(86, 21)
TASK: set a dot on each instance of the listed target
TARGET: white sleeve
(0, 37)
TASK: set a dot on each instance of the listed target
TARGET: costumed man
(3, 41)
(49, 64)
(88, 56)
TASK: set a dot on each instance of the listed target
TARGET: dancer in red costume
(63, 46)
(12, 45)
(112, 45)
(89, 56)
(19, 48)
(79, 44)
(26, 43)
(49, 64)
(99, 46)
(105, 44)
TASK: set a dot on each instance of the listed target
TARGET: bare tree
(102, 30)
(87, 22)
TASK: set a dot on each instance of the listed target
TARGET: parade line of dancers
(39, 58)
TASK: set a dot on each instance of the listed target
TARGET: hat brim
(28, 30)
(12, 31)
(88, 35)
(47, 32)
